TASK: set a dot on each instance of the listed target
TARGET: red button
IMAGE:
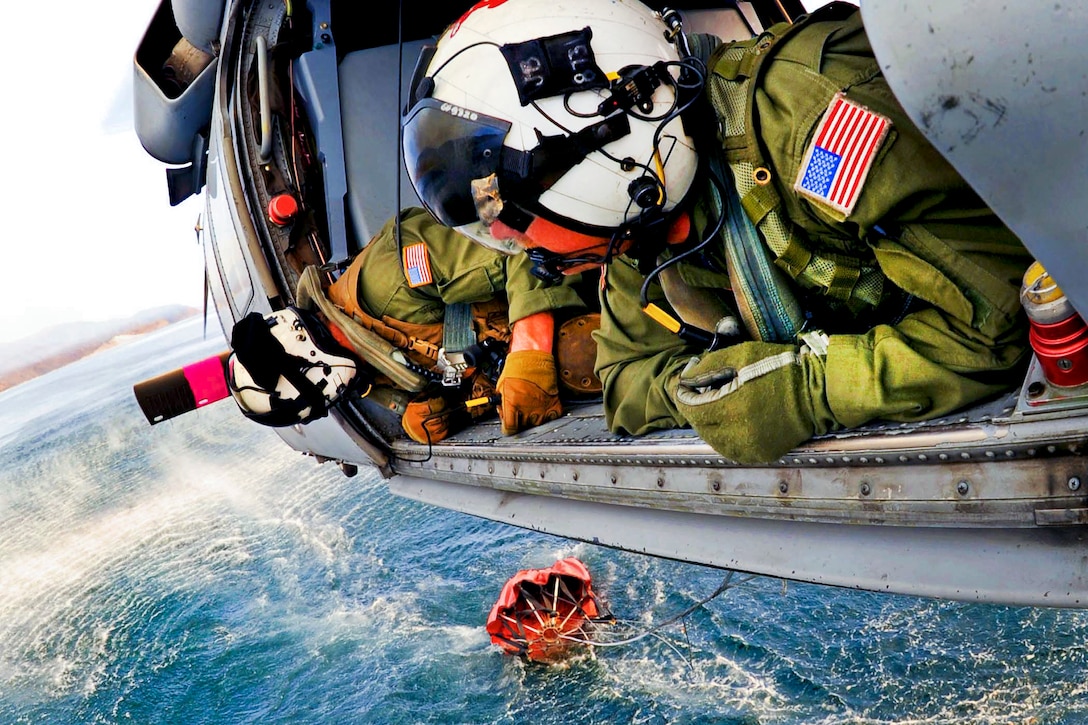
(282, 209)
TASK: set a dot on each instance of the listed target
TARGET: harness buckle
(452, 367)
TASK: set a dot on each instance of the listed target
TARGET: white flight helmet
(563, 109)
(287, 368)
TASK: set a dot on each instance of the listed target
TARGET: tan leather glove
(431, 420)
(530, 394)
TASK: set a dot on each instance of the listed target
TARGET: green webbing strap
(768, 307)
(735, 68)
(838, 275)
(846, 275)
(760, 201)
(458, 333)
(794, 258)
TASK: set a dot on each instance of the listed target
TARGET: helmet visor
(445, 148)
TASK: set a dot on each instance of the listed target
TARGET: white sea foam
(141, 563)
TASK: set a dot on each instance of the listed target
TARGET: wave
(200, 571)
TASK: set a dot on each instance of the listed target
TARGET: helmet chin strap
(557, 249)
(546, 265)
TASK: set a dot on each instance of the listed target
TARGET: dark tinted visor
(445, 148)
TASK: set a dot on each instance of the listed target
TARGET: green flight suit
(460, 269)
(916, 221)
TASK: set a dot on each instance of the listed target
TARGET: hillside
(58, 346)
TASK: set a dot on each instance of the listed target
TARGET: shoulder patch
(417, 265)
(840, 154)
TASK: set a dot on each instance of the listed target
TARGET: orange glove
(530, 393)
(430, 420)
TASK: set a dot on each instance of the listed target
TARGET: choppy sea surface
(200, 571)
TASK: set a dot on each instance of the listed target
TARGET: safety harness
(441, 348)
(732, 85)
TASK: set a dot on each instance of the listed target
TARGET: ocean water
(200, 571)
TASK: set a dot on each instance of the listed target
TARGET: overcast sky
(88, 233)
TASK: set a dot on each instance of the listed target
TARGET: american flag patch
(841, 153)
(417, 265)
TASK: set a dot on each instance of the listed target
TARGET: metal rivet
(962, 488)
(1074, 483)
(865, 489)
(783, 486)
(661, 483)
(490, 468)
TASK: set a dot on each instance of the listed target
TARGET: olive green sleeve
(930, 234)
(755, 401)
(528, 295)
(463, 270)
(927, 365)
(460, 271)
(636, 357)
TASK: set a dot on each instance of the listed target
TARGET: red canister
(1058, 334)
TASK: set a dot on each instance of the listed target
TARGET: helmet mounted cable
(687, 332)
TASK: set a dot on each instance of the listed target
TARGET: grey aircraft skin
(989, 504)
